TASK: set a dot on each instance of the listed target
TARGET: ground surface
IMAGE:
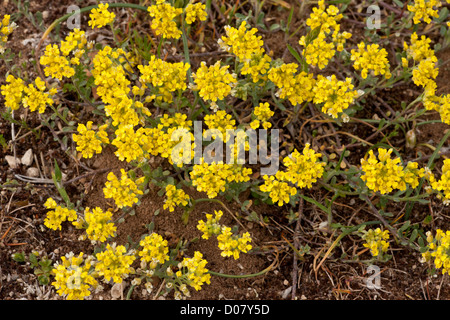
(22, 211)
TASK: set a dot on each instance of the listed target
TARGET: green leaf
(18, 257)
(414, 235)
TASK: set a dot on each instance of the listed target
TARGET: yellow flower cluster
(262, 113)
(278, 190)
(384, 174)
(232, 245)
(124, 191)
(57, 65)
(425, 73)
(100, 17)
(443, 184)
(154, 250)
(163, 23)
(297, 88)
(129, 143)
(97, 223)
(6, 28)
(371, 58)
(375, 240)
(438, 250)
(241, 42)
(419, 49)
(175, 197)
(317, 51)
(335, 95)
(195, 11)
(213, 82)
(196, 274)
(88, 141)
(114, 263)
(35, 96)
(165, 76)
(211, 227)
(57, 215)
(303, 169)
(113, 87)
(257, 67)
(424, 9)
(72, 278)
(213, 178)
(76, 40)
(13, 92)
(220, 121)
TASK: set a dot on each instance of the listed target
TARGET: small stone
(27, 158)
(12, 162)
(33, 172)
(285, 293)
(117, 290)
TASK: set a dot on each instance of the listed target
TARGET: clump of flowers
(385, 174)
(97, 223)
(100, 17)
(57, 215)
(211, 227)
(424, 9)
(13, 92)
(212, 178)
(213, 83)
(334, 95)
(89, 141)
(438, 250)
(195, 11)
(35, 96)
(241, 42)
(278, 190)
(114, 263)
(193, 272)
(262, 114)
(443, 184)
(163, 15)
(154, 250)
(371, 58)
(303, 169)
(175, 197)
(233, 245)
(318, 52)
(124, 191)
(6, 28)
(218, 123)
(73, 277)
(376, 241)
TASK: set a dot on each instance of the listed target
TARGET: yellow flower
(213, 82)
(175, 197)
(222, 122)
(57, 215)
(335, 95)
(419, 49)
(319, 51)
(194, 271)
(13, 92)
(278, 190)
(88, 141)
(113, 263)
(241, 42)
(232, 245)
(438, 249)
(257, 66)
(162, 22)
(371, 58)
(303, 169)
(323, 17)
(423, 9)
(195, 12)
(35, 96)
(426, 72)
(443, 184)
(154, 250)
(97, 223)
(384, 174)
(123, 191)
(72, 279)
(263, 114)
(376, 241)
(6, 28)
(100, 16)
(211, 227)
